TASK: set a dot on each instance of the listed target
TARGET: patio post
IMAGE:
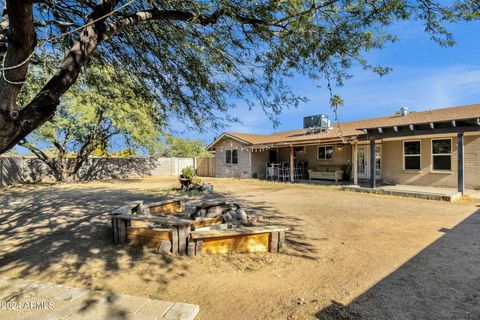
(460, 164)
(354, 163)
(292, 165)
(372, 163)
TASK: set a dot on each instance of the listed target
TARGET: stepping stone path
(26, 299)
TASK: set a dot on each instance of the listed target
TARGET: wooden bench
(336, 175)
(240, 240)
(166, 207)
(159, 229)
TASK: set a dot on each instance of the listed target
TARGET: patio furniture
(272, 171)
(326, 173)
(284, 172)
(298, 173)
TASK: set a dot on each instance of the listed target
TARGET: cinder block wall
(472, 162)
(18, 170)
(242, 169)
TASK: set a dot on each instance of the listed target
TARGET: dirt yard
(349, 256)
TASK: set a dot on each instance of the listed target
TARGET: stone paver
(25, 299)
(182, 311)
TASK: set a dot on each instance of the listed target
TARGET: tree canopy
(102, 107)
(188, 148)
(196, 57)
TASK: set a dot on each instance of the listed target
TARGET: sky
(425, 75)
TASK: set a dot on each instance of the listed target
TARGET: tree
(194, 55)
(189, 148)
(103, 105)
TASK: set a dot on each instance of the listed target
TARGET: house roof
(354, 129)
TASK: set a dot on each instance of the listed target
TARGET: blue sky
(425, 75)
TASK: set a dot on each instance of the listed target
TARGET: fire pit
(212, 228)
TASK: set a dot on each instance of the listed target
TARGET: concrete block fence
(20, 170)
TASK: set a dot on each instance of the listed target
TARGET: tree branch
(43, 106)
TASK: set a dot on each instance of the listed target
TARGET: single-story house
(438, 147)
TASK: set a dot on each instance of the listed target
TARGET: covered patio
(322, 161)
(453, 130)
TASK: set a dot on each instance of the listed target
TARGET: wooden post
(115, 230)
(182, 240)
(191, 248)
(372, 163)
(274, 241)
(281, 241)
(461, 165)
(198, 248)
(292, 165)
(122, 231)
(174, 240)
(355, 163)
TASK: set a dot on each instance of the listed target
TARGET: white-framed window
(325, 153)
(412, 155)
(231, 156)
(442, 154)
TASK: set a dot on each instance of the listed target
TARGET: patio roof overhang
(304, 143)
(458, 126)
(417, 129)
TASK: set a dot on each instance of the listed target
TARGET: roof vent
(404, 111)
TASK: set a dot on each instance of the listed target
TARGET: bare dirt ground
(349, 256)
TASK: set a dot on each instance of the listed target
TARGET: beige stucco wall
(259, 160)
(392, 164)
(240, 170)
(341, 156)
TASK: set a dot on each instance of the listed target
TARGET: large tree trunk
(15, 126)
(43, 106)
(21, 42)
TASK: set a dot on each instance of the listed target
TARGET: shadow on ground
(66, 232)
(440, 282)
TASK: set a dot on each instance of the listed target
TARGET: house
(439, 147)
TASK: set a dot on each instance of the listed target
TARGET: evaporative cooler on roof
(316, 123)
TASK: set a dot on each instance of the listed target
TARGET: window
(231, 156)
(325, 153)
(442, 155)
(411, 155)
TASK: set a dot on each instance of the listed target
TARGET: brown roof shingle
(354, 128)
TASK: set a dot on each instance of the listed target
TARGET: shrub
(188, 172)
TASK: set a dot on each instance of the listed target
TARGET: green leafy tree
(198, 56)
(104, 105)
(189, 148)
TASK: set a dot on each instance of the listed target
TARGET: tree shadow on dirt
(440, 282)
(66, 232)
(298, 243)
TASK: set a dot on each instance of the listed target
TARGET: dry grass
(349, 255)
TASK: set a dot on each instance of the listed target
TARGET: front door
(362, 162)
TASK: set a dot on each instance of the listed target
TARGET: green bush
(188, 173)
(196, 180)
